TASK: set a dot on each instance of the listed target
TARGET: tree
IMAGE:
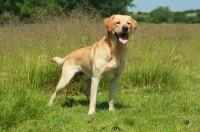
(106, 7)
(179, 17)
(161, 15)
(109, 7)
(34, 8)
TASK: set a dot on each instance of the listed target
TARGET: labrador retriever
(103, 61)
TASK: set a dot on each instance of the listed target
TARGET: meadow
(159, 89)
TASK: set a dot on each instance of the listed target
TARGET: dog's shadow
(70, 102)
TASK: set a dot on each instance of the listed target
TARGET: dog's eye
(118, 22)
(128, 23)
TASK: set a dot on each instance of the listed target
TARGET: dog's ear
(134, 24)
(108, 23)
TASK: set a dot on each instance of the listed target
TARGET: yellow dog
(103, 61)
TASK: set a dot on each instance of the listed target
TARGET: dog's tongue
(123, 39)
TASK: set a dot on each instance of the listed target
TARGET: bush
(161, 15)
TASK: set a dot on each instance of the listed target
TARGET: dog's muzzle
(122, 37)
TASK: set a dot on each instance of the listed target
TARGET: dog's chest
(111, 71)
(108, 74)
(113, 63)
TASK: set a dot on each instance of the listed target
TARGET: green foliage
(161, 15)
(108, 8)
(36, 9)
(164, 15)
(190, 16)
(179, 17)
(141, 17)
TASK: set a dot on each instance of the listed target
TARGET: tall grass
(27, 76)
(161, 59)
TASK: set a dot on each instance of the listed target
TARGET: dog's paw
(111, 108)
(50, 104)
(91, 111)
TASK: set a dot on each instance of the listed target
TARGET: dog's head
(121, 26)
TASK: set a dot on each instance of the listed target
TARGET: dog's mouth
(122, 38)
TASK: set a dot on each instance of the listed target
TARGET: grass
(159, 89)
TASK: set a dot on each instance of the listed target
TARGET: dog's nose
(124, 28)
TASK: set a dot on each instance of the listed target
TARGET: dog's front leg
(112, 91)
(93, 94)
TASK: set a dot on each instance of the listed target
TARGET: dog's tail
(58, 60)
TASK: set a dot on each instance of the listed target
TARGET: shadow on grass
(70, 102)
(104, 105)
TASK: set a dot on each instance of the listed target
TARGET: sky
(174, 5)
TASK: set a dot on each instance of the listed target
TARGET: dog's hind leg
(88, 87)
(67, 75)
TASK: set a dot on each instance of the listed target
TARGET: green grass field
(159, 89)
